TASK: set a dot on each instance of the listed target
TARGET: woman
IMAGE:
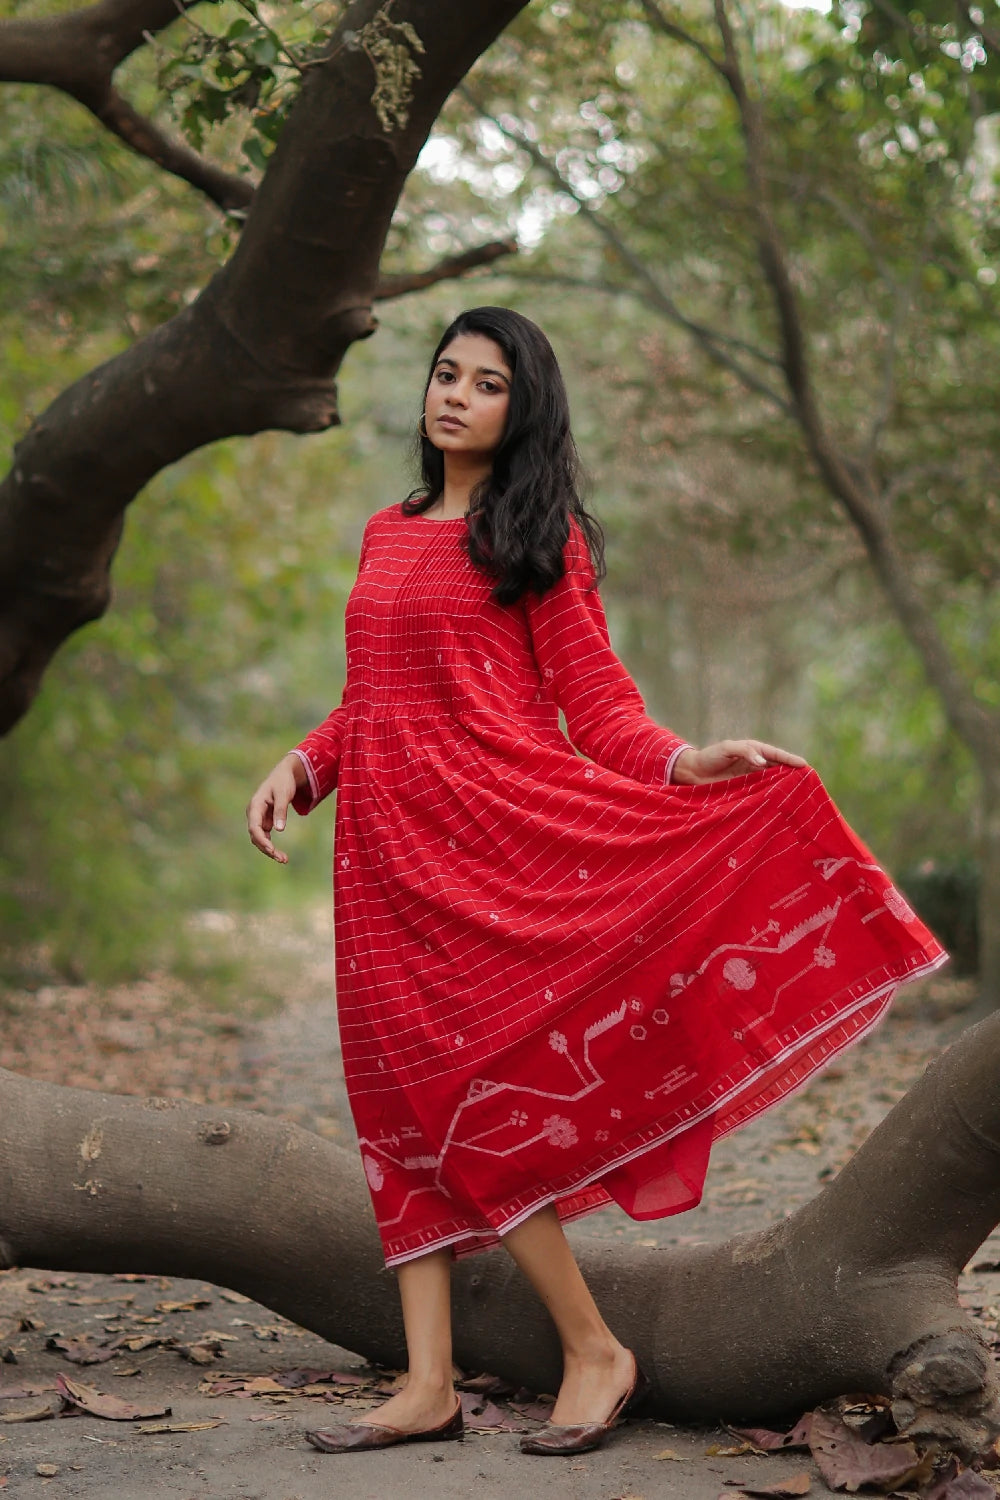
(560, 977)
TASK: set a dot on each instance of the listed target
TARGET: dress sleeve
(605, 716)
(320, 751)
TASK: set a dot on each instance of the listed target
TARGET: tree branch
(230, 192)
(677, 34)
(79, 52)
(259, 348)
(656, 295)
(854, 489)
(399, 283)
(616, 289)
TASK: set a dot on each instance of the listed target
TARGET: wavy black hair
(519, 516)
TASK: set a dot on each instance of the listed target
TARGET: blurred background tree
(607, 139)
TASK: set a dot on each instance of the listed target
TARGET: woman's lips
(450, 422)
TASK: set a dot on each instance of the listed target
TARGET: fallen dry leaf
(202, 1353)
(795, 1484)
(767, 1441)
(716, 1450)
(82, 1349)
(179, 1426)
(191, 1305)
(670, 1453)
(291, 1380)
(961, 1485)
(483, 1415)
(487, 1385)
(112, 1408)
(39, 1412)
(846, 1462)
(537, 1411)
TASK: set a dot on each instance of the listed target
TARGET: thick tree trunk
(856, 1291)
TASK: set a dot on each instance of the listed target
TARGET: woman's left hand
(729, 758)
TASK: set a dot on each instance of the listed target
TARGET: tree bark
(260, 346)
(989, 884)
(854, 1292)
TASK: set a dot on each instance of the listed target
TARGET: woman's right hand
(268, 807)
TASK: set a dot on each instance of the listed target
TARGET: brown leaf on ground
(671, 1453)
(82, 1350)
(718, 1450)
(767, 1441)
(961, 1484)
(112, 1408)
(39, 1411)
(846, 1462)
(483, 1415)
(537, 1411)
(204, 1352)
(192, 1305)
(795, 1484)
(292, 1380)
(137, 1341)
(179, 1426)
(487, 1385)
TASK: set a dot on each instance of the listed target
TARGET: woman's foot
(359, 1437)
(593, 1384)
(566, 1438)
(416, 1408)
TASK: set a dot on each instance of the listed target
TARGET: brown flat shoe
(358, 1437)
(584, 1436)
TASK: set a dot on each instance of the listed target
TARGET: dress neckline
(434, 520)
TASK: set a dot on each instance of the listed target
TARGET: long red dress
(560, 978)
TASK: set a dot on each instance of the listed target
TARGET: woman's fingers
(764, 754)
(261, 819)
(737, 757)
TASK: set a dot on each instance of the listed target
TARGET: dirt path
(161, 1037)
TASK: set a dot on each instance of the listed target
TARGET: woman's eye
(489, 386)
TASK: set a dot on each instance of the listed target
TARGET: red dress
(560, 978)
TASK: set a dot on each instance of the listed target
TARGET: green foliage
(243, 63)
(132, 771)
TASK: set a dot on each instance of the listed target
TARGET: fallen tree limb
(854, 1292)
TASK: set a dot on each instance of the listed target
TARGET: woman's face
(465, 409)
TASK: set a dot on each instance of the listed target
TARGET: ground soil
(164, 1036)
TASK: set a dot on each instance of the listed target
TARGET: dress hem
(490, 1235)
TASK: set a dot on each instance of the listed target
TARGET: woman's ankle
(599, 1350)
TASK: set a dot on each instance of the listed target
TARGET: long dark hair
(519, 516)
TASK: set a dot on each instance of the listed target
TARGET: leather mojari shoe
(359, 1437)
(581, 1438)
